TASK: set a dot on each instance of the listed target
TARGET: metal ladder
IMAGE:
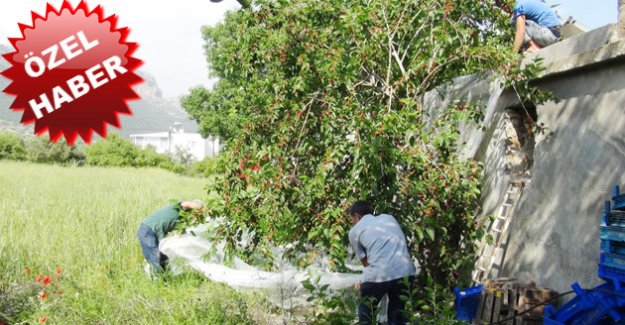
(491, 252)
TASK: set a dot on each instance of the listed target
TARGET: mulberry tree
(320, 103)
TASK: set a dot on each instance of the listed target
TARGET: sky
(168, 33)
(590, 13)
(170, 41)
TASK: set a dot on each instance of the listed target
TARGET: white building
(176, 140)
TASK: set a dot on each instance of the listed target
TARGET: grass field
(83, 220)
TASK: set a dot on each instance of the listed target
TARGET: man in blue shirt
(380, 244)
(537, 25)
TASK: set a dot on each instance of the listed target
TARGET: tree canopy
(320, 103)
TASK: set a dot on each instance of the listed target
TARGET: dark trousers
(149, 246)
(372, 292)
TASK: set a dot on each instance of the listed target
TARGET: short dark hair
(360, 207)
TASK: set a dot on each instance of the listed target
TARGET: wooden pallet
(505, 299)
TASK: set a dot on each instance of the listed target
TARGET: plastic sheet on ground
(283, 287)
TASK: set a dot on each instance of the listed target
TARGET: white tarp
(284, 286)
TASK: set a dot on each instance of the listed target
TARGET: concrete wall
(554, 236)
(554, 233)
(621, 18)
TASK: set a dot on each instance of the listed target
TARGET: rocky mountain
(4, 82)
(152, 113)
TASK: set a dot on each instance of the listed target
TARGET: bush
(11, 146)
(37, 150)
(42, 150)
(183, 156)
(205, 167)
(114, 151)
(176, 168)
(148, 157)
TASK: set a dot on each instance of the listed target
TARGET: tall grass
(84, 220)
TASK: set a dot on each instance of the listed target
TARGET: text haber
(71, 47)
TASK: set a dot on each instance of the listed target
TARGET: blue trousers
(149, 246)
(372, 292)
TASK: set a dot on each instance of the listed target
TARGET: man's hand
(364, 262)
(520, 33)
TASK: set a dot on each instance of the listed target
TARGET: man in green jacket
(156, 226)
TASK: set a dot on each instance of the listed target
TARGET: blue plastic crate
(619, 202)
(619, 199)
(604, 214)
(592, 307)
(612, 247)
(550, 315)
(605, 309)
(467, 301)
(614, 218)
(549, 321)
(611, 274)
(612, 233)
(612, 260)
(572, 309)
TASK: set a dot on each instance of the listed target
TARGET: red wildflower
(43, 295)
(46, 281)
(43, 319)
(39, 278)
(256, 168)
(58, 270)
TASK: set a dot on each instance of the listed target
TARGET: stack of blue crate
(604, 304)
(612, 234)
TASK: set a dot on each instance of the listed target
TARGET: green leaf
(489, 239)
(419, 233)
(431, 233)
